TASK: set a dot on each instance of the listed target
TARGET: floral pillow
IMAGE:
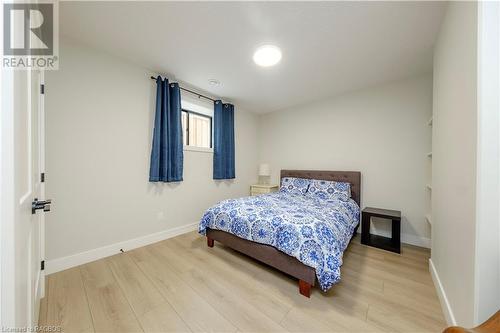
(325, 189)
(294, 185)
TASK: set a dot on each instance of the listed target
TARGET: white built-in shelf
(428, 218)
(429, 186)
(429, 122)
(429, 154)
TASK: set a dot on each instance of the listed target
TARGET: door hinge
(42, 265)
(42, 89)
(42, 177)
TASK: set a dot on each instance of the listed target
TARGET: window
(197, 129)
(196, 124)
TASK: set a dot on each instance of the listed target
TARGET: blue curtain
(223, 141)
(167, 152)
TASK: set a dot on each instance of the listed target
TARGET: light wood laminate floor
(180, 285)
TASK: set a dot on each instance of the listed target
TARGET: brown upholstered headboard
(352, 177)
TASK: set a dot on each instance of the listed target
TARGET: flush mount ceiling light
(267, 55)
(214, 82)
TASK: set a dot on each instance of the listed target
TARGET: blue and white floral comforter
(313, 230)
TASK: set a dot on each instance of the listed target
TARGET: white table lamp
(264, 173)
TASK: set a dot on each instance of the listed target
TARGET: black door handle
(40, 204)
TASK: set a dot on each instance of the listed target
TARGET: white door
(22, 164)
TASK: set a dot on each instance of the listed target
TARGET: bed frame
(275, 258)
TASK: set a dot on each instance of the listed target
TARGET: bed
(300, 235)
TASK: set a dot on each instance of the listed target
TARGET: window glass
(197, 117)
(199, 130)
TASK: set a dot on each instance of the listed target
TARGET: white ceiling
(328, 47)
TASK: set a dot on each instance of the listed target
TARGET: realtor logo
(30, 35)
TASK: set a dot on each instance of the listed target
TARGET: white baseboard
(405, 238)
(60, 264)
(416, 240)
(445, 304)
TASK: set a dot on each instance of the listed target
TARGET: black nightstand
(390, 244)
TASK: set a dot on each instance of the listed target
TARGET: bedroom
(184, 145)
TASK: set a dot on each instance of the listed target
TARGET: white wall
(487, 278)
(454, 160)
(380, 131)
(100, 113)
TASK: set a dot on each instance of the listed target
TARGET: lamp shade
(264, 170)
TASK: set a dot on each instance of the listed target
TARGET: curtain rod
(192, 92)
